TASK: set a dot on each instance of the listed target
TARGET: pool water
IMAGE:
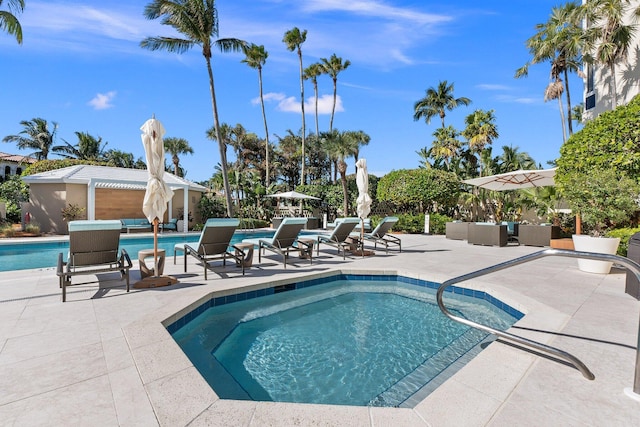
(21, 256)
(348, 341)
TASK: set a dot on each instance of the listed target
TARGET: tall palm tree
(294, 39)
(559, 42)
(512, 159)
(256, 57)
(8, 20)
(88, 148)
(35, 136)
(360, 138)
(608, 35)
(333, 66)
(436, 101)
(197, 21)
(312, 72)
(120, 159)
(175, 147)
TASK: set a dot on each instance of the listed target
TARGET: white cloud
(102, 101)
(291, 104)
(490, 86)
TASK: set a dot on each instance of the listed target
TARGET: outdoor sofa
(538, 235)
(487, 234)
(131, 224)
(457, 230)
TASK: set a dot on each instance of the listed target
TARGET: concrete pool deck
(104, 357)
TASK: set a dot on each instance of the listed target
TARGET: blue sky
(81, 66)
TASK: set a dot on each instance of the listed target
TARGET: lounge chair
(379, 234)
(284, 239)
(93, 249)
(214, 243)
(338, 237)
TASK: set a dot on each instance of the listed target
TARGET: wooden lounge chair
(214, 243)
(284, 239)
(338, 237)
(93, 249)
(379, 234)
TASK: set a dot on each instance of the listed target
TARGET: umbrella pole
(155, 246)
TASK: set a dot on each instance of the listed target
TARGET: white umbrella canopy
(363, 203)
(157, 194)
(292, 195)
(515, 180)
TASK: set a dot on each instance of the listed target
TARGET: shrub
(437, 223)
(419, 189)
(624, 234)
(211, 207)
(72, 212)
(410, 223)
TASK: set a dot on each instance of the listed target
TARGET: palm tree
(176, 147)
(446, 145)
(558, 41)
(256, 57)
(436, 101)
(481, 130)
(35, 136)
(88, 148)
(294, 39)
(120, 159)
(512, 159)
(333, 66)
(197, 20)
(609, 36)
(361, 139)
(341, 145)
(9, 22)
(312, 72)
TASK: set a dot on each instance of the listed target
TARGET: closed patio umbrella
(157, 193)
(363, 202)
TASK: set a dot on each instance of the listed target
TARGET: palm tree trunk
(333, 110)
(303, 120)
(564, 125)
(221, 144)
(566, 88)
(266, 129)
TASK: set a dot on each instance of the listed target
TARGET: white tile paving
(104, 357)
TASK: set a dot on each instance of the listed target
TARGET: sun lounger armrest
(61, 264)
(124, 257)
(239, 251)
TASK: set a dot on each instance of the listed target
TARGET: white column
(91, 200)
(185, 218)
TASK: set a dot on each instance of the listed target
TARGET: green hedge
(624, 234)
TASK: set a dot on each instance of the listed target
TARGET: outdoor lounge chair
(379, 234)
(338, 236)
(214, 244)
(93, 249)
(284, 239)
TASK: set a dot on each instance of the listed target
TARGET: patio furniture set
(93, 246)
(491, 234)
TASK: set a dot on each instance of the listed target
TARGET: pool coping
(169, 376)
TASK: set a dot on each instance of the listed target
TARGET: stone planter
(601, 245)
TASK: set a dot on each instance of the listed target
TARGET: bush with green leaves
(605, 199)
(13, 191)
(438, 223)
(419, 190)
(211, 207)
(625, 235)
(598, 168)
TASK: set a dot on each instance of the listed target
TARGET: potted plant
(604, 199)
(71, 212)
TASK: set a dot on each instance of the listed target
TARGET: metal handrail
(630, 265)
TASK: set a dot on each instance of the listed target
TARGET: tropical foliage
(8, 20)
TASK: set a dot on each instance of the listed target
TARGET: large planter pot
(601, 245)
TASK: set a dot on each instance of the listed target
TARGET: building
(105, 193)
(13, 164)
(597, 84)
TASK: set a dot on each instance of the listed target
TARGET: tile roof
(16, 158)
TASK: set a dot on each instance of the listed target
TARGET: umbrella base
(362, 252)
(155, 282)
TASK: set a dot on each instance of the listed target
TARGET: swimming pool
(375, 340)
(26, 255)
